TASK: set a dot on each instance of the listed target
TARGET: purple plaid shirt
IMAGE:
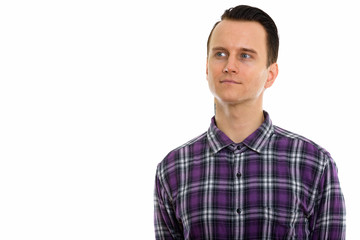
(273, 185)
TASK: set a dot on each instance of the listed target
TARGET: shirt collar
(255, 141)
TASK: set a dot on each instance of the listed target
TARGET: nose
(231, 66)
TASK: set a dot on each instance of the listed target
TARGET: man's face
(236, 67)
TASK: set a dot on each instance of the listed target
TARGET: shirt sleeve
(166, 224)
(329, 213)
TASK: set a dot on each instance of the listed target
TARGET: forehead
(239, 34)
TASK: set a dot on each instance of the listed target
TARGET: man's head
(252, 14)
(242, 54)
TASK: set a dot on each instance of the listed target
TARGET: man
(246, 178)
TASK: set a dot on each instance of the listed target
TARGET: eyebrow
(250, 50)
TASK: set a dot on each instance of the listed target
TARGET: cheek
(211, 74)
(211, 79)
(215, 67)
(259, 77)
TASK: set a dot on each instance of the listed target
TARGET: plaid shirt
(273, 185)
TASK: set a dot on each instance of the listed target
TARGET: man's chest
(237, 195)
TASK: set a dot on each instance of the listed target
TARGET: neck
(238, 121)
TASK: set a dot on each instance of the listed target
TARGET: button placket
(239, 152)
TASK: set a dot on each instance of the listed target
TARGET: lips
(229, 81)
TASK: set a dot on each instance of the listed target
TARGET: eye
(220, 54)
(245, 55)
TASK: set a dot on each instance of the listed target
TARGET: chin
(230, 101)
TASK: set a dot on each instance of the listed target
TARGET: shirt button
(238, 175)
(238, 210)
(238, 147)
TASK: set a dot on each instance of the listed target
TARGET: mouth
(229, 81)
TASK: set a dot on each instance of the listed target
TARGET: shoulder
(177, 156)
(300, 146)
(171, 170)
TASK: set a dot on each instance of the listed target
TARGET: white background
(93, 94)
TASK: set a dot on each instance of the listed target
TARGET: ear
(272, 74)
